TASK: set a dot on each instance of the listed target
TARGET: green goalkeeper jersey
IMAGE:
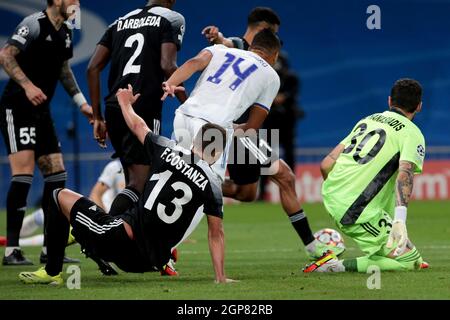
(362, 181)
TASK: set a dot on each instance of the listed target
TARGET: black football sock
(16, 203)
(300, 223)
(125, 200)
(51, 183)
(57, 233)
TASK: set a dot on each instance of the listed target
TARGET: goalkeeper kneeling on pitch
(369, 177)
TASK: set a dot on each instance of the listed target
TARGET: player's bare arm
(255, 121)
(329, 161)
(136, 124)
(403, 190)
(8, 61)
(169, 66)
(214, 36)
(405, 182)
(216, 240)
(98, 62)
(97, 193)
(185, 72)
(70, 84)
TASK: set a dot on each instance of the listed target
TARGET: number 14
(241, 76)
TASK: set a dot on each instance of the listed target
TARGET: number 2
(130, 67)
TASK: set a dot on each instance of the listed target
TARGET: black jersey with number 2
(43, 51)
(181, 189)
(135, 44)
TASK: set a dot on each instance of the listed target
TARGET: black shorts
(29, 129)
(126, 146)
(249, 157)
(105, 236)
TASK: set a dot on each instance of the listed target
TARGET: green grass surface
(264, 253)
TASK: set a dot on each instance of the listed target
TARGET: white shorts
(185, 129)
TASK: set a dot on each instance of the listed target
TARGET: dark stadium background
(346, 69)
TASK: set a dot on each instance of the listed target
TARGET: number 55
(27, 135)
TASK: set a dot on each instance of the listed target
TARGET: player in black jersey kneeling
(181, 188)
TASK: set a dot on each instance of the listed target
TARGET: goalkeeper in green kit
(369, 178)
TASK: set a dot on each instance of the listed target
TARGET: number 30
(374, 151)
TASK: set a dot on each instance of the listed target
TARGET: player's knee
(246, 195)
(59, 196)
(22, 163)
(285, 177)
(137, 185)
(51, 164)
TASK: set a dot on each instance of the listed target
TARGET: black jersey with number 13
(181, 189)
(135, 44)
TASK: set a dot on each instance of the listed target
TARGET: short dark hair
(266, 40)
(263, 14)
(49, 2)
(208, 135)
(406, 94)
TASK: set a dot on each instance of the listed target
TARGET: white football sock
(9, 250)
(311, 247)
(35, 241)
(31, 223)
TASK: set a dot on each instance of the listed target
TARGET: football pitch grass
(265, 254)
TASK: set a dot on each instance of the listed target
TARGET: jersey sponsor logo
(23, 31)
(181, 165)
(421, 151)
(150, 21)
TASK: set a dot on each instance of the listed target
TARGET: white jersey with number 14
(233, 81)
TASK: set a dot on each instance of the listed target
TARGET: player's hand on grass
(35, 94)
(100, 132)
(86, 110)
(212, 34)
(171, 90)
(126, 96)
(398, 235)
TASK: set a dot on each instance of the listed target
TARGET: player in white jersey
(232, 82)
(110, 183)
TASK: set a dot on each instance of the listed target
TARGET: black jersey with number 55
(180, 190)
(135, 42)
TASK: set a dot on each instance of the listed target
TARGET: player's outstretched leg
(409, 261)
(284, 178)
